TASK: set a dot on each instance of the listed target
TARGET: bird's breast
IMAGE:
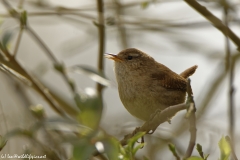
(136, 98)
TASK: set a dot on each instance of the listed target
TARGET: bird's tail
(188, 72)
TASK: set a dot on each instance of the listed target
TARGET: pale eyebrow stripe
(135, 54)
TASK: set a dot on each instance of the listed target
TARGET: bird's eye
(129, 57)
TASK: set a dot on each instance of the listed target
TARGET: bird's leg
(142, 141)
(135, 132)
(169, 121)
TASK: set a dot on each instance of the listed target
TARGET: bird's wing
(170, 80)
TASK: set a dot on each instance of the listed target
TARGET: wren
(144, 85)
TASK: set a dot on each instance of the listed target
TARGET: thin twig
(4, 117)
(83, 15)
(101, 40)
(231, 108)
(20, 4)
(42, 44)
(18, 41)
(215, 21)
(37, 85)
(121, 27)
(45, 48)
(42, 90)
(192, 122)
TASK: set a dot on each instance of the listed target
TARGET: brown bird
(144, 85)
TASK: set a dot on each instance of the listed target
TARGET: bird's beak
(113, 57)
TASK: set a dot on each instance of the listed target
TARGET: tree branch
(156, 119)
(229, 67)
(192, 121)
(101, 41)
(215, 21)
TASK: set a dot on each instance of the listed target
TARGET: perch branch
(162, 116)
(158, 118)
(192, 121)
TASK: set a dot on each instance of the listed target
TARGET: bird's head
(131, 59)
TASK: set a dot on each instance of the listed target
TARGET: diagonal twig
(215, 21)
(37, 85)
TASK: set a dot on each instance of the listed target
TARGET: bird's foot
(142, 141)
(169, 121)
(135, 132)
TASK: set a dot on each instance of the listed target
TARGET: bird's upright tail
(188, 72)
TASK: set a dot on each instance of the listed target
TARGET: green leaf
(173, 150)
(225, 149)
(3, 142)
(91, 73)
(83, 149)
(130, 149)
(91, 111)
(195, 158)
(199, 149)
(134, 139)
(5, 40)
(111, 147)
(171, 147)
(141, 145)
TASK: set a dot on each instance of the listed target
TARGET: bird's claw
(169, 121)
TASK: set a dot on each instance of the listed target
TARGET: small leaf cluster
(224, 146)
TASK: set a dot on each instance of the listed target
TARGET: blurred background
(46, 43)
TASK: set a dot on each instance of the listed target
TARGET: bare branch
(229, 67)
(215, 21)
(101, 40)
(18, 42)
(192, 121)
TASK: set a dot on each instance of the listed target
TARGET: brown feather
(188, 72)
(169, 79)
